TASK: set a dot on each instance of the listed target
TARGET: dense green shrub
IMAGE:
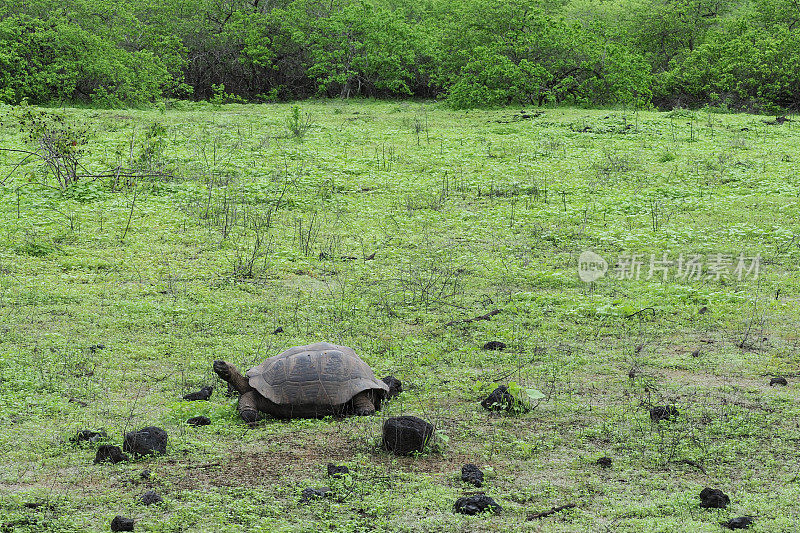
(475, 53)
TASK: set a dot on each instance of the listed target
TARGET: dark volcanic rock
(199, 421)
(279, 329)
(395, 386)
(311, 494)
(778, 381)
(202, 394)
(713, 499)
(120, 523)
(337, 470)
(478, 503)
(472, 474)
(494, 345)
(87, 435)
(150, 497)
(107, 453)
(742, 522)
(501, 399)
(147, 441)
(663, 412)
(403, 435)
(605, 462)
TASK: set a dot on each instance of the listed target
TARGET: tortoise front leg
(362, 404)
(248, 407)
(227, 372)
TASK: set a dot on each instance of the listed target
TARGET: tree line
(739, 54)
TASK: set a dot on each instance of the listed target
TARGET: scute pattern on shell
(315, 374)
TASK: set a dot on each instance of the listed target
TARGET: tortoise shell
(320, 374)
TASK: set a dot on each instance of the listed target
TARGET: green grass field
(117, 294)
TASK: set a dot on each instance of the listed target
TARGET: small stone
(120, 523)
(742, 522)
(778, 381)
(663, 412)
(395, 386)
(713, 499)
(88, 435)
(311, 494)
(150, 497)
(478, 503)
(501, 399)
(202, 394)
(494, 345)
(696, 353)
(470, 473)
(337, 470)
(605, 462)
(106, 453)
(199, 421)
(147, 441)
(277, 330)
(403, 435)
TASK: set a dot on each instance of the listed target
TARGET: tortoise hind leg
(227, 372)
(248, 407)
(362, 404)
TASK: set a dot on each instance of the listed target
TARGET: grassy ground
(116, 295)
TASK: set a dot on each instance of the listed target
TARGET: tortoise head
(222, 370)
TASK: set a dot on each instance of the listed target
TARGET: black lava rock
(120, 523)
(500, 399)
(87, 435)
(147, 441)
(478, 503)
(202, 394)
(663, 412)
(403, 435)
(395, 386)
(279, 329)
(713, 499)
(311, 494)
(150, 497)
(472, 474)
(199, 421)
(107, 453)
(494, 345)
(605, 462)
(742, 522)
(778, 381)
(337, 470)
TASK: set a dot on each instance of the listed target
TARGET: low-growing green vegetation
(138, 246)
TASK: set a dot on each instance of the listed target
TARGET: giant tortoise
(307, 382)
